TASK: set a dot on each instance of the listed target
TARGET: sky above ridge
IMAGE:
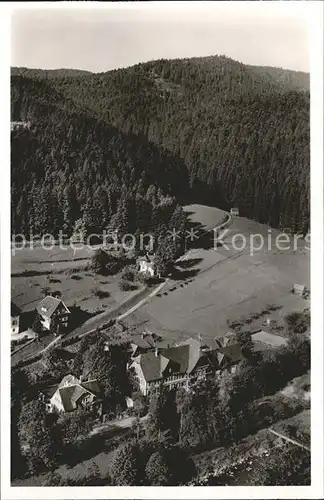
(119, 35)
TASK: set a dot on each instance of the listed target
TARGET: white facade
(299, 289)
(147, 267)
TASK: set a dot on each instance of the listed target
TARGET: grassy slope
(227, 284)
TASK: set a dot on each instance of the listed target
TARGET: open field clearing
(208, 217)
(62, 270)
(227, 284)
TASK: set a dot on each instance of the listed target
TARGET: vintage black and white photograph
(160, 224)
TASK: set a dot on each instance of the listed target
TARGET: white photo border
(313, 12)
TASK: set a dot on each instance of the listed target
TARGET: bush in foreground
(126, 286)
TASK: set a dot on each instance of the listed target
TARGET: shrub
(297, 322)
(128, 274)
(126, 286)
(101, 294)
(125, 469)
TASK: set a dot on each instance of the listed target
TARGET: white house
(72, 393)
(235, 211)
(147, 266)
(300, 289)
(54, 314)
(180, 365)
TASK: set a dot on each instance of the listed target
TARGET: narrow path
(290, 440)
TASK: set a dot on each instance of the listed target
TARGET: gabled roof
(92, 386)
(48, 306)
(232, 352)
(228, 339)
(188, 355)
(182, 358)
(152, 366)
(71, 390)
(15, 311)
(194, 353)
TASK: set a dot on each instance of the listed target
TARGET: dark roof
(71, 390)
(49, 391)
(232, 352)
(179, 359)
(66, 394)
(187, 356)
(149, 341)
(151, 366)
(48, 306)
(92, 386)
(15, 311)
(179, 355)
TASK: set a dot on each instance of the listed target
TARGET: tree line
(242, 132)
(74, 173)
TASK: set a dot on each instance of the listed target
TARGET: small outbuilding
(300, 290)
(235, 212)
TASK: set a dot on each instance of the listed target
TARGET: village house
(146, 265)
(15, 317)
(54, 314)
(235, 212)
(72, 394)
(300, 290)
(181, 365)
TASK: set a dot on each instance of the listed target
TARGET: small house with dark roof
(54, 314)
(73, 393)
(15, 316)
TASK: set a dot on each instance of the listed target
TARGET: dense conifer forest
(71, 170)
(208, 130)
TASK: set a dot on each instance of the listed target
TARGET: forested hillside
(71, 171)
(242, 132)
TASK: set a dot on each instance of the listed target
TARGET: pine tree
(35, 434)
(157, 469)
(125, 469)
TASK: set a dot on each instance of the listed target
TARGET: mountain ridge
(242, 133)
(63, 72)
